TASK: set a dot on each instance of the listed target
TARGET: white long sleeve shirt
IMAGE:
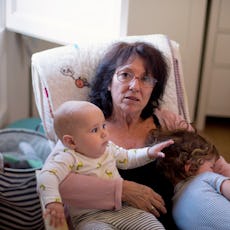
(63, 161)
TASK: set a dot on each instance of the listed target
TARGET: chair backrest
(64, 73)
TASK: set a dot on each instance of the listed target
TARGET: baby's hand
(55, 212)
(155, 150)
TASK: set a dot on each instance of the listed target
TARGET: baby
(86, 149)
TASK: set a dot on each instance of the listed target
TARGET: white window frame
(56, 20)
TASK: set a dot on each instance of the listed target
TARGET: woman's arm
(171, 121)
(92, 192)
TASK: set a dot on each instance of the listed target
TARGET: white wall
(3, 97)
(17, 78)
(215, 85)
(17, 50)
(183, 21)
(3, 72)
(13, 96)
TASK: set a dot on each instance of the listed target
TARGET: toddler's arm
(222, 167)
(225, 189)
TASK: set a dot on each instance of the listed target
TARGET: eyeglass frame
(140, 79)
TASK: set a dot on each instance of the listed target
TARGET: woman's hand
(143, 197)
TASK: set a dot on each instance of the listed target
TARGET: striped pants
(128, 218)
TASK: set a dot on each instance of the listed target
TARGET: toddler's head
(190, 154)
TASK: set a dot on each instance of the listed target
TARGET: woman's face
(130, 97)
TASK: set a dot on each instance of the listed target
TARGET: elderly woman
(128, 86)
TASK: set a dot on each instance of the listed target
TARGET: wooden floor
(217, 130)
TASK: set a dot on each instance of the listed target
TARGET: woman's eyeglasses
(145, 81)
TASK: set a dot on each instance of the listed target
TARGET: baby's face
(207, 166)
(91, 135)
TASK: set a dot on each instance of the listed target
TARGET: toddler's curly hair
(188, 148)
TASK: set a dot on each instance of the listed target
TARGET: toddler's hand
(55, 212)
(155, 150)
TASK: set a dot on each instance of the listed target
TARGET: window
(65, 22)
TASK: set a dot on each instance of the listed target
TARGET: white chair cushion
(64, 73)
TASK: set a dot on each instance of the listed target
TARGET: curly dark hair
(119, 54)
(189, 147)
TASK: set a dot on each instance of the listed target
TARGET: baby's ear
(68, 141)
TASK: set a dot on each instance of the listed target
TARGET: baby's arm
(55, 211)
(54, 171)
(225, 188)
(133, 158)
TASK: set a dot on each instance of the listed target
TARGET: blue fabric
(198, 204)
(28, 123)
